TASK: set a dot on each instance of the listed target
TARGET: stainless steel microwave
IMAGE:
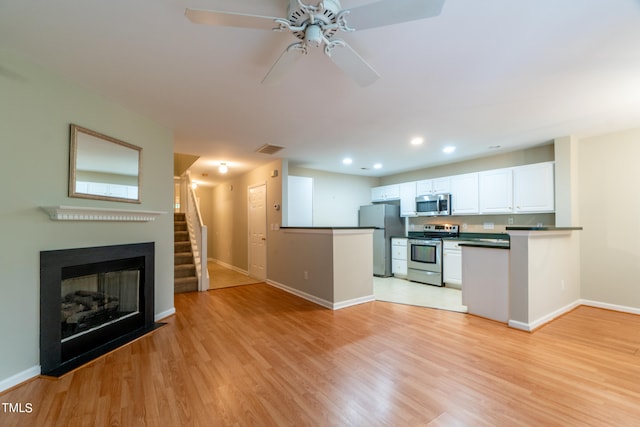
(433, 205)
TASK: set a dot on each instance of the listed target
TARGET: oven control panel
(441, 228)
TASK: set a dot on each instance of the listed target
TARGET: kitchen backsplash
(484, 223)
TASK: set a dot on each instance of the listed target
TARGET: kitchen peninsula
(331, 266)
(528, 283)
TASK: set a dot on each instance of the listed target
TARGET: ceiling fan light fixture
(313, 35)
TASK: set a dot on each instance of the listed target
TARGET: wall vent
(269, 149)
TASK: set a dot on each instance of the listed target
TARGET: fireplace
(93, 300)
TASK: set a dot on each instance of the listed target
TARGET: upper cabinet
(408, 199)
(520, 189)
(464, 194)
(496, 191)
(534, 188)
(433, 186)
(385, 193)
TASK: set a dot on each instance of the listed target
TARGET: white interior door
(258, 231)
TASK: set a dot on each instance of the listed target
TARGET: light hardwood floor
(255, 355)
(223, 277)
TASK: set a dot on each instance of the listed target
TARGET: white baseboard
(544, 319)
(322, 302)
(551, 316)
(352, 302)
(303, 295)
(519, 325)
(230, 267)
(614, 307)
(19, 378)
(164, 314)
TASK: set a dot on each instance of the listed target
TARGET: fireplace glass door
(92, 301)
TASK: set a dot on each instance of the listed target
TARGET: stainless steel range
(424, 253)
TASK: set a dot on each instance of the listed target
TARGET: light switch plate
(488, 226)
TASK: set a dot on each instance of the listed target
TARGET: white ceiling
(513, 73)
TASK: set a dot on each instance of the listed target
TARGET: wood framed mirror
(102, 167)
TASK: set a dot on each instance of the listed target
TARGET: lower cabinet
(399, 257)
(452, 263)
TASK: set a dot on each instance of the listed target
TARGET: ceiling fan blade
(284, 64)
(353, 65)
(230, 19)
(389, 12)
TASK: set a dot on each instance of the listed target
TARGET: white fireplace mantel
(77, 213)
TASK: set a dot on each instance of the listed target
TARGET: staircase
(184, 270)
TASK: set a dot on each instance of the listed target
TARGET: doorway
(257, 222)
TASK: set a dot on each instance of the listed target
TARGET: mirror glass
(103, 168)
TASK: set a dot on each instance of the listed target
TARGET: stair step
(182, 258)
(180, 236)
(184, 270)
(180, 247)
(185, 284)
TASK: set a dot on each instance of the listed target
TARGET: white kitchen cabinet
(441, 185)
(452, 263)
(533, 188)
(385, 193)
(399, 257)
(433, 186)
(423, 187)
(464, 194)
(496, 191)
(300, 201)
(408, 199)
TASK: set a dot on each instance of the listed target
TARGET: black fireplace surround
(78, 326)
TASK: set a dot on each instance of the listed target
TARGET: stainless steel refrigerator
(387, 222)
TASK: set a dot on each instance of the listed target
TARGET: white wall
(337, 197)
(36, 108)
(609, 188)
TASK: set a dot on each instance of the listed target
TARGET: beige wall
(609, 178)
(293, 254)
(227, 222)
(36, 108)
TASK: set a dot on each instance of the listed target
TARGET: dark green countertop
(328, 228)
(488, 245)
(542, 228)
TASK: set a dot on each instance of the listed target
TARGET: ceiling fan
(316, 26)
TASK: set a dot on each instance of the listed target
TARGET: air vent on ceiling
(269, 149)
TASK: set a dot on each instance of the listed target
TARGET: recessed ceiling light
(377, 166)
(347, 161)
(449, 149)
(223, 168)
(494, 147)
(417, 141)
